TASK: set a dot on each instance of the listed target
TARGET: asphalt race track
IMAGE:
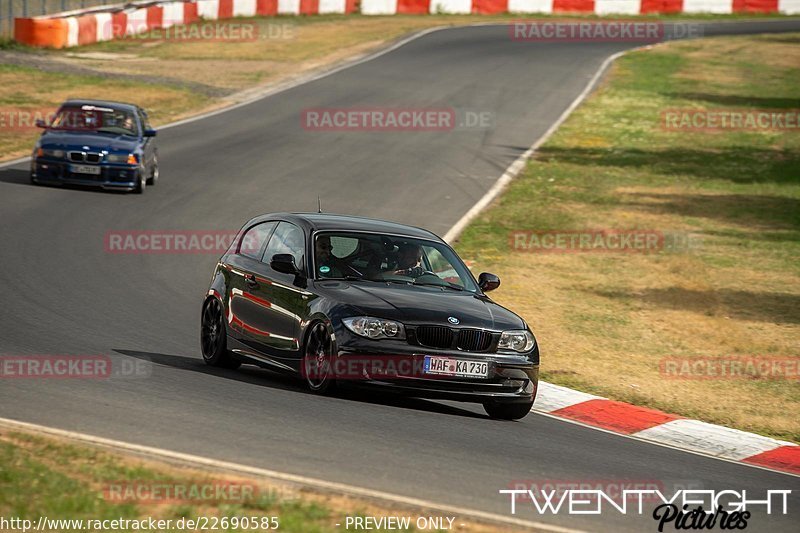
(64, 294)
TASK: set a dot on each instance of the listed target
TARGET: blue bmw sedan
(97, 143)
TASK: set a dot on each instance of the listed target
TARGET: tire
(316, 366)
(142, 184)
(154, 174)
(213, 336)
(507, 411)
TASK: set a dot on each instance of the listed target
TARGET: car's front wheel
(141, 184)
(154, 173)
(507, 411)
(213, 336)
(317, 364)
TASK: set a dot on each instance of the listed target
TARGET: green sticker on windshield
(324, 269)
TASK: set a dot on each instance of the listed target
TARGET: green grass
(44, 477)
(25, 89)
(605, 320)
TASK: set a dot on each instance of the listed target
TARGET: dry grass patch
(59, 479)
(606, 321)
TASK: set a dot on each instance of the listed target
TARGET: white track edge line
(519, 164)
(664, 444)
(279, 87)
(279, 476)
(512, 172)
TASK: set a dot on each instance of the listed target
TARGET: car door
(242, 265)
(280, 302)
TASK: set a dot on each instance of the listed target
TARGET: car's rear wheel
(213, 336)
(317, 364)
(507, 411)
(154, 174)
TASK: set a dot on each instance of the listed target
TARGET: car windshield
(96, 119)
(386, 258)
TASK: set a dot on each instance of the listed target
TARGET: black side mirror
(488, 282)
(149, 133)
(40, 123)
(284, 263)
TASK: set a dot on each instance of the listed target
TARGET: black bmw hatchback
(338, 299)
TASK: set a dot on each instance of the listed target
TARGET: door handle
(250, 279)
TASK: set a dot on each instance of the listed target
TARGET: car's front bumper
(511, 379)
(117, 177)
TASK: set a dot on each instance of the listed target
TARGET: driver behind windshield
(409, 260)
(94, 119)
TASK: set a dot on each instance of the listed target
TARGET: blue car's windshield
(387, 258)
(95, 119)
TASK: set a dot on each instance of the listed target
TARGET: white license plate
(84, 169)
(450, 366)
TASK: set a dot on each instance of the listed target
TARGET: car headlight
(516, 340)
(375, 328)
(46, 152)
(122, 158)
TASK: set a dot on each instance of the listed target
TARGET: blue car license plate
(84, 169)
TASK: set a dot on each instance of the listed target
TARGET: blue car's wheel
(154, 172)
(141, 183)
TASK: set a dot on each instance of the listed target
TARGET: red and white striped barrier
(599, 7)
(663, 428)
(93, 25)
(75, 28)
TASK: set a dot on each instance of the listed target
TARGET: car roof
(335, 222)
(102, 103)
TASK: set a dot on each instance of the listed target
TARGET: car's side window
(287, 239)
(253, 240)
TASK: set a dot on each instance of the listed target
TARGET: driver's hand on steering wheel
(413, 272)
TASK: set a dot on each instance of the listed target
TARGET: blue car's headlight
(375, 328)
(516, 340)
(130, 159)
(46, 152)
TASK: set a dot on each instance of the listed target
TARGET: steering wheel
(418, 272)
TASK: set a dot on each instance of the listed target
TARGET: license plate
(450, 366)
(84, 169)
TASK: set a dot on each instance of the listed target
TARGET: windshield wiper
(114, 132)
(448, 286)
(349, 277)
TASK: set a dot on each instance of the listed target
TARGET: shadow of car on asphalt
(263, 377)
